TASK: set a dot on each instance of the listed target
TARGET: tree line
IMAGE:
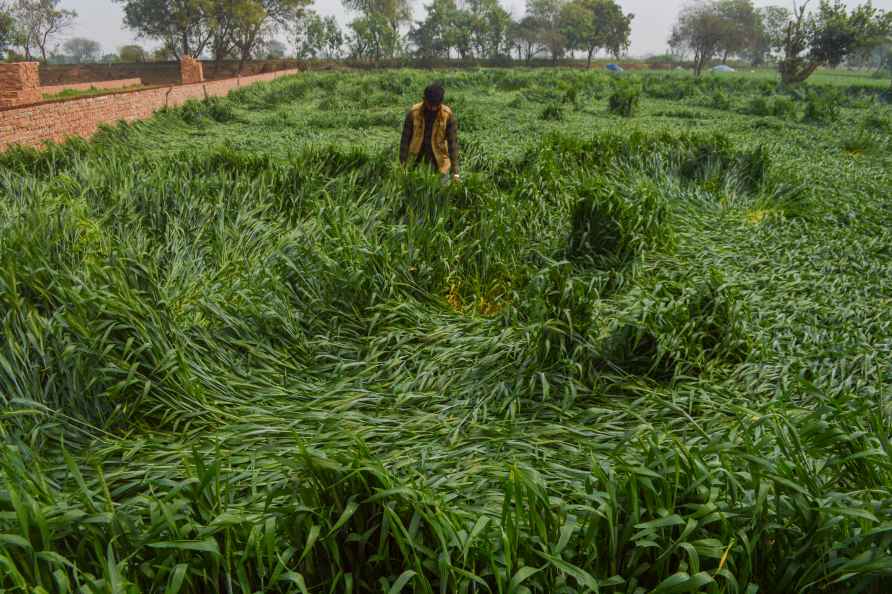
(382, 29)
(798, 39)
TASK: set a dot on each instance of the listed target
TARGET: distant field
(826, 76)
(244, 351)
(91, 92)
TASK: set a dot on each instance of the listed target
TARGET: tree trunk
(43, 43)
(243, 57)
(793, 74)
(589, 62)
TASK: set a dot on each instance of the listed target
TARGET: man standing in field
(430, 134)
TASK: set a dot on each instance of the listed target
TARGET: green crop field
(244, 351)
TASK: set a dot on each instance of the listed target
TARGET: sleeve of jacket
(408, 130)
(452, 140)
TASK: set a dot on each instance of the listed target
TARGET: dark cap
(434, 93)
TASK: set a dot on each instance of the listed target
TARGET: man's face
(430, 106)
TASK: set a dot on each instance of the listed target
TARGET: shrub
(784, 107)
(540, 94)
(720, 100)
(213, 108)
(682, 325)
(625, 100)
(666, 88)
(877, 122)
(284, 90)
(759, 106)
(821, 109)
(780, 106)
(552, 113)
(571, 96)
(331, 103)
(509, 81)
(859, 142)
(617, 218)
(517, 103)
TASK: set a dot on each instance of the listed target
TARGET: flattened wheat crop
(243, 351)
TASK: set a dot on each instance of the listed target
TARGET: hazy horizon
(102, 20)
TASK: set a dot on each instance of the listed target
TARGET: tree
(82, 50)
(547, 16)
(183, 26)
(772, 24)
(7, 29)
(701, 29)
(376, 33)
(245, 27)
(462, 33)
(132, 53)
(490, 26)
(591, 25)
(434, 37)
(333, 39)
(826, 37)
(741, 27)
(318, 37)
(372, 37)
(309, 33)
(526, 36)
(38, 22)
(165, 53)
(109, 59)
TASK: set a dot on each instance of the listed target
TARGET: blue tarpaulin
(615, 68)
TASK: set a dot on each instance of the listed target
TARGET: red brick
(191, 71)
(35, 124)
(19, 84)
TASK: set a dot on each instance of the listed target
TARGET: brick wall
(100, 84)
(34, 124)
(19, 84)
(155, 73)
(190, 71)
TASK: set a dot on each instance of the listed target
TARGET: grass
(244, 351)
(91, 92)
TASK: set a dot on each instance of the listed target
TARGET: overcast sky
(102, 20)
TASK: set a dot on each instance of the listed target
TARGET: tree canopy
(481, 29)
(593, 25)
(318, 37)
(82, 50)
(703, 29)
(829, 35)
(227, 28)
(39, 22)
(132, 53)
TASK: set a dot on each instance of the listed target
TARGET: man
(430, 134)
